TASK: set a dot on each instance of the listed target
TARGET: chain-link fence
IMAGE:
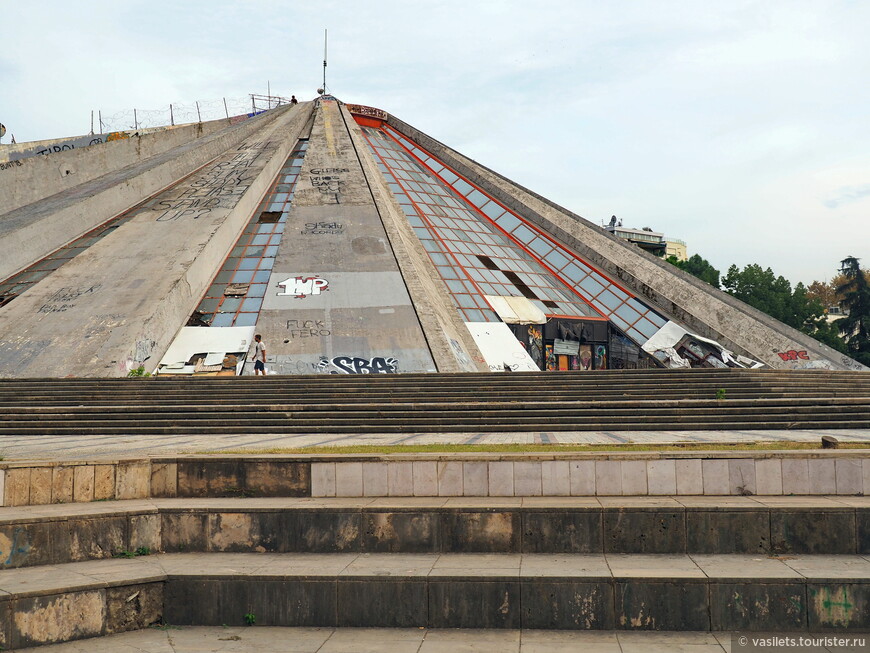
(181, 113)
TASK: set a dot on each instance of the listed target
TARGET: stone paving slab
(95, 446)
(190, 639)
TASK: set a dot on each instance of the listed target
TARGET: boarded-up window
(269, 217)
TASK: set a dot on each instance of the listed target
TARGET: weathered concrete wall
(120, 303)
(34, 178)
(33, 231)
(360, 318)
(680, 296)
(452, 346)
(842, 472)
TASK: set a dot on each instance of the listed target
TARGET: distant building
(645, 238)
(675, 247)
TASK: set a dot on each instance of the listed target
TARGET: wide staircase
(784, 564)
(698, 399)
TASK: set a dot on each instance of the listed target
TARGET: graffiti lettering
(353, 365)
(117, 136)
(300, 287)
(64, 299)
(307, 329)
(328, 171)
(793, 355)
(221, 186)
(319, 228)
(10, 164)
(56, 148)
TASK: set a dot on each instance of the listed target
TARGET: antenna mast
(324, 61)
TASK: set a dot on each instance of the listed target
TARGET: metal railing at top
(182, 113)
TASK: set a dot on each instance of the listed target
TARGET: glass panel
(557, 259)
(252, 304)
(257, 290)
(477, 198)
(230, 304)
(246, 319)
(223, 320)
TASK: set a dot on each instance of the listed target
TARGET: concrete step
(293, 426)
(546, 406)
(502, 591)
(368, 396)
(65, 533)
(242, 639)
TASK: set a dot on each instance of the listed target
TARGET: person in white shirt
(259, 356)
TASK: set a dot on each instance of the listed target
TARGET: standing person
(259, 356)
(293, 99)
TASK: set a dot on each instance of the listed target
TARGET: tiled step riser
(551, 531)
(531, 603)
(816, 473)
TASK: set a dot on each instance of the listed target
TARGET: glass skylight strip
(437, 213)
(236, 293)
(588, 282)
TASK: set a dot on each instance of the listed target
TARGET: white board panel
(203, 340)
(500, 347)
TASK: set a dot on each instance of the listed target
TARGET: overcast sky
(742, 128)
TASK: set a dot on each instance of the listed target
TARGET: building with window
(353, 243)
(675, 247)
(647, 239)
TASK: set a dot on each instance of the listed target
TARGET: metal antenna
(324, 61)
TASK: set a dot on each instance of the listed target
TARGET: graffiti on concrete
(299, 329)
(221, 186)
(301, 287)
(321, 228)
(328, 181)
(356, 365)
(64, 299)
(793, 355)
(10, 164)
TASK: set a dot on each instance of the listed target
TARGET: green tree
(855, 327)
(697, 266)
(765, 291)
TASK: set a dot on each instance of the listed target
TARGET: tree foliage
(699, 267)
(855, 327)
(772, 294)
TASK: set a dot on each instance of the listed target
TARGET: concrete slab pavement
(39, 447)
(190, 639)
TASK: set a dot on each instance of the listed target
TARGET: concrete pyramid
(352, 242)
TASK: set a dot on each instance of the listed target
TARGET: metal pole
(92, 122)
(226, 111)
(269, 93)
(197, 112)
(100, 112)
(253, 106)
(324, 62)
(171, 116)
(135, 119)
